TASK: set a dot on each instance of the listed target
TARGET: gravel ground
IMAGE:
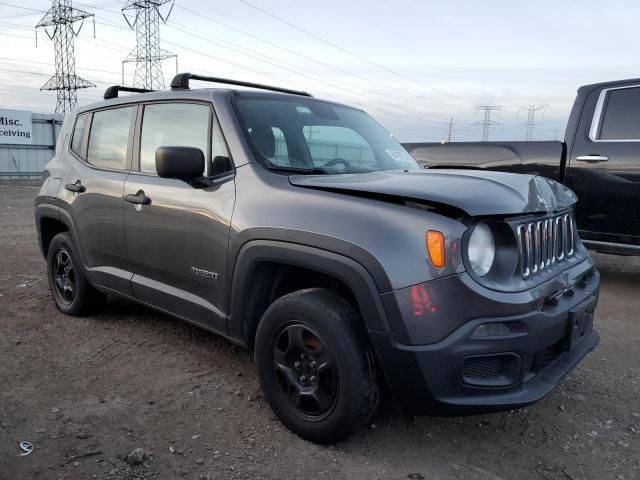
(86, 392)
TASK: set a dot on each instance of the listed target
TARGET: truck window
(109, 137)
(172, 125)
(620, 115)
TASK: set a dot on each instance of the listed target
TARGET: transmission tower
(58, 24)
(144, 16)
(449, 129)
(531, 119)
(486, 122)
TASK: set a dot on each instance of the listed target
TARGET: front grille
(544, 242)
(492, 370)
(483, 367)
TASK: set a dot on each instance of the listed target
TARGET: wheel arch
(257, 275)
(51, 220)
(48, 224)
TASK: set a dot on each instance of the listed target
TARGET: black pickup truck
(599, 160)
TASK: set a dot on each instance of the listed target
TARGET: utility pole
(486, 122)
(531, 119)
(144, 17)
(450, 130)
(58, 24)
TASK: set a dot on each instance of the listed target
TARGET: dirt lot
(87, 391)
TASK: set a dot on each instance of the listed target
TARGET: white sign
(15, 127)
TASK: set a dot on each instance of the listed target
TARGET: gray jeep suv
(300, 229)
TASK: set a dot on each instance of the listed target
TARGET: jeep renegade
(302, 230)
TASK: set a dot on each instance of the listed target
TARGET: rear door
(100, 150)
(177, 244)
(604, 166)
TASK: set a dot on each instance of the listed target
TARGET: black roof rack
(112, 92)
(181, 82)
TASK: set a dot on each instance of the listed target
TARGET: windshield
(311, 136)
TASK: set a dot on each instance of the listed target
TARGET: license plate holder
(581, 322)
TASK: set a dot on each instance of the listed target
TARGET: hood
(476, 192)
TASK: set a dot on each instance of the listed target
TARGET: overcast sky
(412, 64)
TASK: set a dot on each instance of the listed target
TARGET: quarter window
(172, 125)
(620, 119)
(109, 137)
(77, 141)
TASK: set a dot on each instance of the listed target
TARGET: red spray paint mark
(421, 301)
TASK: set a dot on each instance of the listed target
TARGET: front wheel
(315, 365)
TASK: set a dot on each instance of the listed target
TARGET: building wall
(28, 161)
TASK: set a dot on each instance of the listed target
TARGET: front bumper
(518, 363)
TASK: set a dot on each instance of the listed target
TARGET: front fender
(347, 270)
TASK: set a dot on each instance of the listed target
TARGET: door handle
(75, 187)
(592, 158)
(138, 199)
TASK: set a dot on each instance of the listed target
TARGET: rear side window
(621, 115)
(109, 137)
(77, 141)
(172, 125)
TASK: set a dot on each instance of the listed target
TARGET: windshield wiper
(312, 170)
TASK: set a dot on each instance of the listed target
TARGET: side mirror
(185, 163)
(221, 164)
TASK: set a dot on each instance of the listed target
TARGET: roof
(611, 83)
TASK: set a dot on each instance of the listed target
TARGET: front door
(604, 166)
(177, 242)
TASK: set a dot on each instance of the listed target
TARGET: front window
(172, 124)
(306, 135)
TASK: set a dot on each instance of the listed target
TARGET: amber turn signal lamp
(435, 247)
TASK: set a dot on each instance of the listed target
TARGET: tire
(71, 292)
(315, 365)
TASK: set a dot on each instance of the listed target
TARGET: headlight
(481, 250)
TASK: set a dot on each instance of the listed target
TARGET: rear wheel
(315, 365)
(71, 291)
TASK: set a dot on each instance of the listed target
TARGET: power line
(295, 70)
(41, 74)
(272, 61)
(386, 88)
(23, 8)
(486, 123)
(49, 64)
(353, 54)
(531, 119)
(13, 35)
(58, 24)
(255, 55)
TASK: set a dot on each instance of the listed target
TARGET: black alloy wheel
(306, 371)
(64, 276)
(316, 366)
